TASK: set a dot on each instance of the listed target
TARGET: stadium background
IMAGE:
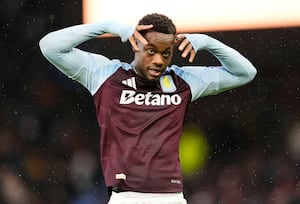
(49, 151)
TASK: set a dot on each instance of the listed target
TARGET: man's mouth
(155, 72)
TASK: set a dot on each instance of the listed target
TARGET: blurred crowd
(49, 138)
(252, 179)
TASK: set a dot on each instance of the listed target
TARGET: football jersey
(141, 124)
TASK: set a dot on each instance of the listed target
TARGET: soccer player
(141, 105)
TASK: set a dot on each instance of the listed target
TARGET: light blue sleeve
(89, 69)
(234, 69)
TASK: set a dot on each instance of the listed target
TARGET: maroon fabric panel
(140, 132)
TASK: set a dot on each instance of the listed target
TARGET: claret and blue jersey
(141, 122)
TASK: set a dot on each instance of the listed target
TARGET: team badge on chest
(167, 84)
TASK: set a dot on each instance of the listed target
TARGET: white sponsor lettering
(130, 96)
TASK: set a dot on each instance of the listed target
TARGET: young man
(141, 105)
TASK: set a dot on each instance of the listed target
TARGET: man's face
(152, 59)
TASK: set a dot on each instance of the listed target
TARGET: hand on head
(185, 47)
(183, 43)
(137, 36)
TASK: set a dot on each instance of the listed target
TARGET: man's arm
(235, 69)
(59, 47)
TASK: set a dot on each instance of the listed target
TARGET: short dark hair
(160, 22)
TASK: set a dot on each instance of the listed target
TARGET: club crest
(167, 84)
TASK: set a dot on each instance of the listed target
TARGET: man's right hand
(136, 36)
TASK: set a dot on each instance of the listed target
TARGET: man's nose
(158, 60)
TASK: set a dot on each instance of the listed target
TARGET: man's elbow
(49, 47)
(252, 71)
(44, 45)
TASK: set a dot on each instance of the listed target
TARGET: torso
(140, 131)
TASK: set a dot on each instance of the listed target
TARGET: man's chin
(152, 80)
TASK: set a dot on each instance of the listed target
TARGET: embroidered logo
(121, 176)
(130, 82)
(175, 181)
(167, 84)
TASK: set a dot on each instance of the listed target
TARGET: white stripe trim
(130, 82)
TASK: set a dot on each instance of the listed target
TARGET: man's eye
(166, 54)
(150, 51)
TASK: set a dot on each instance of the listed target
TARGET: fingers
(143, 27)
(133, 44)
(186, 48)
(136, 36)
(192, 56)
(178, 39)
